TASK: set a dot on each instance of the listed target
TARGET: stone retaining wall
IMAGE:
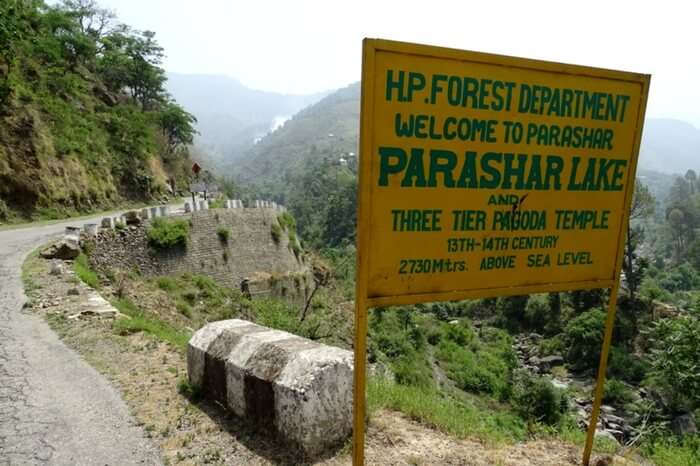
(249, 253)
(300, 389)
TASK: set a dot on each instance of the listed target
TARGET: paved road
(54, 408)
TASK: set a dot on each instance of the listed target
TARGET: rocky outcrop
(64, 249)
(297, 388)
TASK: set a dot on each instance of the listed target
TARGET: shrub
(188, 390)
(167, 284)
(584, 336)
(477, 371)
(411, 370)
(674, 360)
(223, 234)
(536, 399)
(168, 234)
(554, 345)
(286, 221)
(276, 233)
(537, 313)
(625, 366)
(617, 393)
(119, 226)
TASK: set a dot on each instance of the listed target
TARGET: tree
(641, 208)
(584, 336)
(692, 178)
(14, 26)
(130, 62)
(177, 126)
(93, 21)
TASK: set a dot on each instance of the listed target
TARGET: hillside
(231, 116)
(328, 129)
(668, 146)
(86, 122)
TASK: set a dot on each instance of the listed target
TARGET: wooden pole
(602, 367)
(358, 432)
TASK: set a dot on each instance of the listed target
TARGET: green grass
(276, 233)
(167, 284)
(674, 453)
(31, 267)
(140, 322)
(81, 267)
(444, 413)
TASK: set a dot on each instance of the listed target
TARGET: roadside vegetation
(165, 234)
(86, 121)
(443, 352)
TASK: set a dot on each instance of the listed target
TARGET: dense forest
(85, 118)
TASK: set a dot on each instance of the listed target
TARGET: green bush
(479, 366)
(617, 393)
(550, 346)
(537, 314)
(536, 399)
(223, 234)
(167, 284)
(674, 361)
(276, 233)
(286, 221)
(584, 337)
(168, 234)
(624, 366)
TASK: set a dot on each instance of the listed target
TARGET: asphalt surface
(54, 408)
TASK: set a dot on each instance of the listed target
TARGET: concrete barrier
(299, 388)
(108, 222)
(72, 234)
(203, 205)
(146, 214)
(164, 210)
(90, 229)
(154, 212)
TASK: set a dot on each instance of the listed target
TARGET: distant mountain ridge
(230, 115)
(328, 129)
(668, 146)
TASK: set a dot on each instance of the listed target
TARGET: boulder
(684, 424)
(548, 362)
(132, 218)
(274, 380)
(66, 249)
(607, 435)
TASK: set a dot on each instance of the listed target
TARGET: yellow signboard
(489, 175)
(485, 175)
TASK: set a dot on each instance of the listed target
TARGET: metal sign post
(485, 175)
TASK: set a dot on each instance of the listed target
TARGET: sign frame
(363, 301)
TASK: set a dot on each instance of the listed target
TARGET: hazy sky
(297, 46)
